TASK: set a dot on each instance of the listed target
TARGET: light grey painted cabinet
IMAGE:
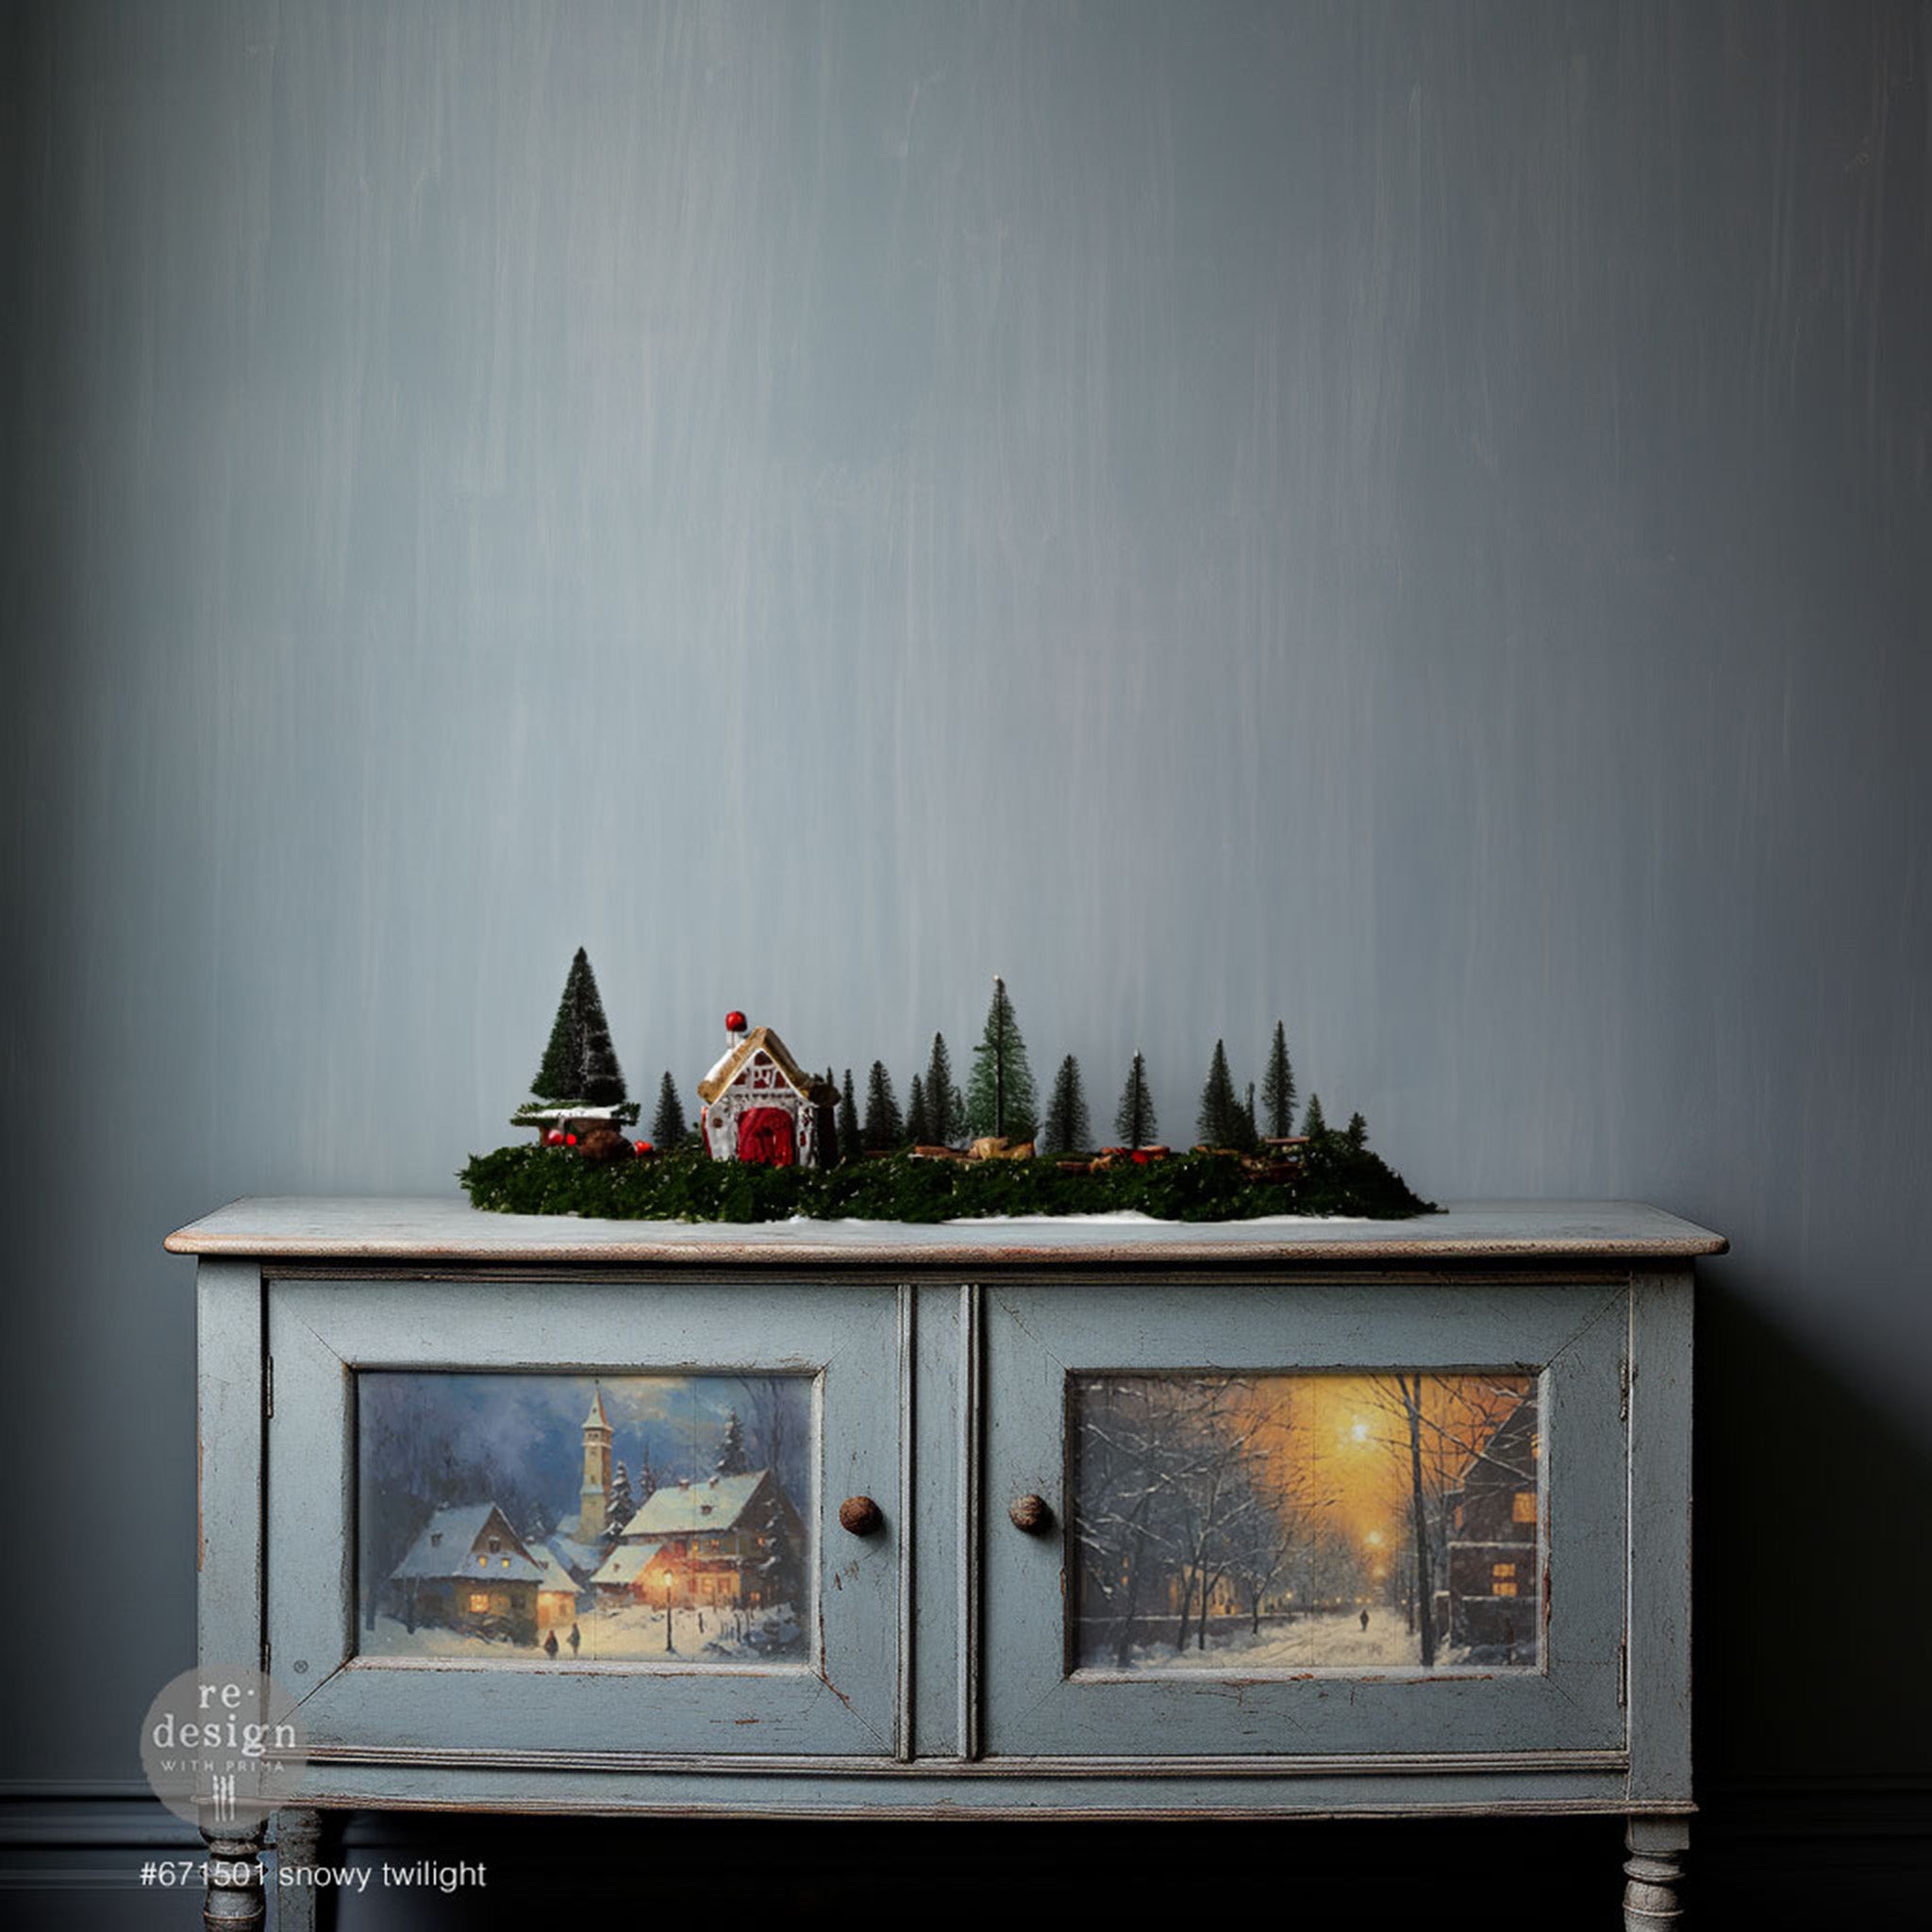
(1261, 1520)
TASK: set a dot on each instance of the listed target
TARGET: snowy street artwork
(1306, 1522)
(552, 1518)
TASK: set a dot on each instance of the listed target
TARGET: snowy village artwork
(1305, 1522)
(548, 1517)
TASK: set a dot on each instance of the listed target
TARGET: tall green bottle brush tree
(1000, 1097)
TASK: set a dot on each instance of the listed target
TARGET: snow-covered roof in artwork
(579, 1559)
(446, 1547)
(626, 1562)
(761, 1040)
(706, 1506)
(557, 1573)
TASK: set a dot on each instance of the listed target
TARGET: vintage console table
(1304, 1519)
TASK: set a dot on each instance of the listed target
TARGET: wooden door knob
(1030, 1513)
(860, 1515)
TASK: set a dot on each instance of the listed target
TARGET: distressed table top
(449, 1230)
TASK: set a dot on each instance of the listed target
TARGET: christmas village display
(773, 1140)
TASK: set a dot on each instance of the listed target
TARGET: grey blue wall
(1413, 519)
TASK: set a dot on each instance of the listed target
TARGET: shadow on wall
(1813, 1561)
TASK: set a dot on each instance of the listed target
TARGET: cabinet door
(528, 1521)
(1305, 1521)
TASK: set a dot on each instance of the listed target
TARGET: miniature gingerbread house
(758, 1106)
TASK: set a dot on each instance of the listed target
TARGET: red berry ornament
(554, 1138)
(641, 1146)
(734, 1022)
(570, 1140)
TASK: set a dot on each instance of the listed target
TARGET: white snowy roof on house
(446, 1547)
(761, 1040)
(557, 1574)
(579, 1558)
(713, 1503)
(626, 1562)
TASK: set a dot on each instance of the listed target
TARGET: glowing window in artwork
(479, 1602)
(1523, 1508)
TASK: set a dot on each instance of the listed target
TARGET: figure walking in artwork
(576, 1639)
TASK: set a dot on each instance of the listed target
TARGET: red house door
(765, 1133)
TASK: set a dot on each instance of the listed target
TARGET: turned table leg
(233, 1898)
(298, 1845)
(1653, 1872)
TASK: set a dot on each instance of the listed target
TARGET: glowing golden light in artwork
(1358, 1433)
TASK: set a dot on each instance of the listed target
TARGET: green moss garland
(685, 1185)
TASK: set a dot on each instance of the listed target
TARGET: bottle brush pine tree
(1133, 1120)
(579, 1064)
(668, 1125)
(1000, 1098)
(885, 1128)
(1219, 1124)
(1357, 1132)
(848, 1123)
(1313, 1125)
(1277, 1088)
(1250, 1137)
(945, 1106)
(1067, 1126)
(917, 1115)
(732, 1461)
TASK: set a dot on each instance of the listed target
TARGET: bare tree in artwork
(1436, 1427)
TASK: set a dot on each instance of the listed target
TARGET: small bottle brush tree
(1313, 1124)
(945, 1106)
(1067, 1126)
(1220, 1122)
(668, 1125)
(848, 1123)
(1357, 1132)
(1133, 1120)
(1278, 1089)
(918, 1116)
(885, 1128)
(1000, 1099)
(580, 1065)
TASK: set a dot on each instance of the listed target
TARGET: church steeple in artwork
(595, 1498)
